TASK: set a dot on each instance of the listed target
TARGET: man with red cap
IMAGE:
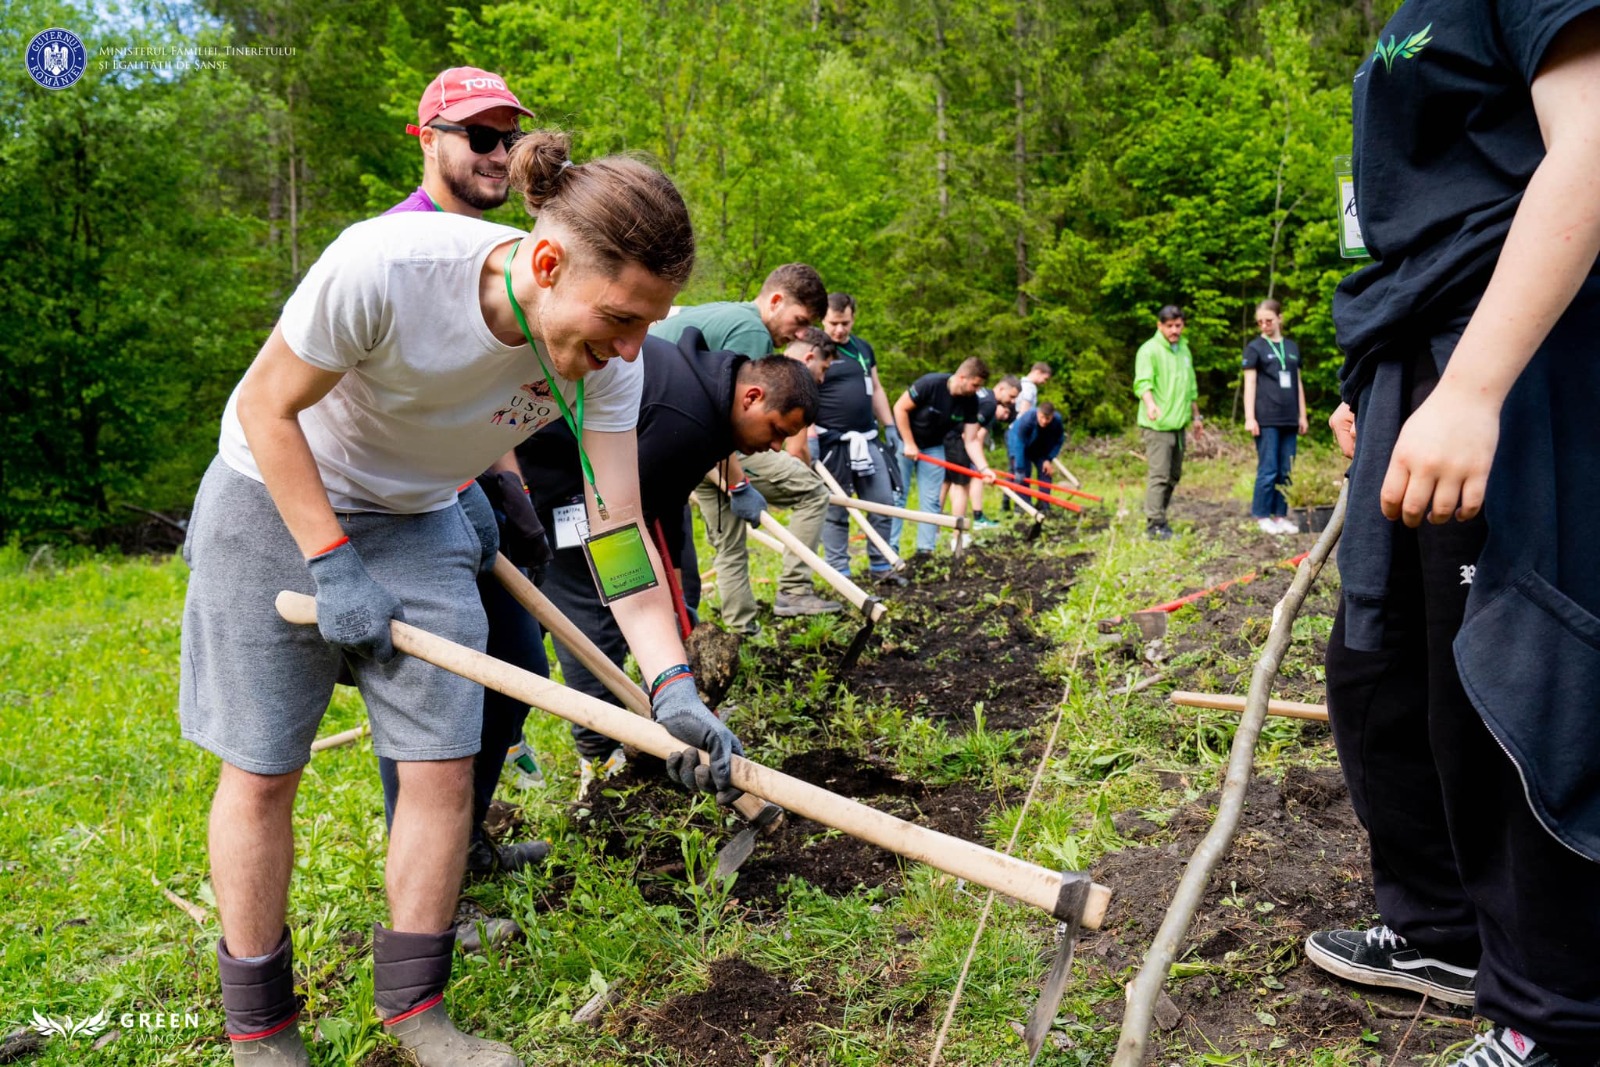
(467, 122)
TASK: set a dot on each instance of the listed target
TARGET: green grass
(103, 800)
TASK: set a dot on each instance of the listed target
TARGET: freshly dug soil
(745, 1012)
(1298, 864)
(956, 641)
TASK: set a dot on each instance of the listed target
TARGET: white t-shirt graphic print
(429, 396)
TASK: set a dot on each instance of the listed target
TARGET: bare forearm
(284, 458)
(1249, 395)
(1550, 250)
(880, 401)
(902, 423)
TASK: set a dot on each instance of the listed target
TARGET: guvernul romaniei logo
(1405, 49)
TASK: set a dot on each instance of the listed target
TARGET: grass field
(105, 807)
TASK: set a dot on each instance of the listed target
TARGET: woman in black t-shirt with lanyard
(1464, 666)
(1274, 413)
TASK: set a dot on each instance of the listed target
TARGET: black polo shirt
(684, 429)
(936, 412)
(1276, 405)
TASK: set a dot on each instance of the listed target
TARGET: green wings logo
(1405, 49)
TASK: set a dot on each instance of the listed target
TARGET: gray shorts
(253, 688)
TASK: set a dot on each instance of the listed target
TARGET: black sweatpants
(1461, 867)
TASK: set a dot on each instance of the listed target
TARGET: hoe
(1070, 896)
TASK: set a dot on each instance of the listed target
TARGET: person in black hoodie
(1464, 663)
(698, 408)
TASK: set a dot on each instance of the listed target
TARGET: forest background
(1016, 179)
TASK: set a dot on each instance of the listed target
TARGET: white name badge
(1283, 379)
(572, 525)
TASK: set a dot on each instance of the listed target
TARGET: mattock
(759, 814)
(1070, 896)
(872, 609)
(1027, 509)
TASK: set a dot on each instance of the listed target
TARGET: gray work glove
(891, 437)
(747, 503)
(353, 610)
(678, 707)
(480, 513)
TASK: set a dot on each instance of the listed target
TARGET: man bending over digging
(417, 350)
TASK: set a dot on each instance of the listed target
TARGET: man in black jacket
(698, 408)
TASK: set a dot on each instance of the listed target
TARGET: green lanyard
(574, 421)
(1280, 350)
(859, 357)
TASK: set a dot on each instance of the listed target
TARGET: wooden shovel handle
(611, 676)
(1007, 875)
(927, 518)
(842, 585)
(1291, 709)
(837, 492)
(1027, 508)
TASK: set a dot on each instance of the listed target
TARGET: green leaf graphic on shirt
(1405, 49)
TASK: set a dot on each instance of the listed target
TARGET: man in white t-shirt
(403, 365)
(1027, 399)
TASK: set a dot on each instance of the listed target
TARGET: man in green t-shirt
(1163, 380)
(791, 299)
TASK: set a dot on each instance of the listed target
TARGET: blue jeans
(1274, 457)
(930, 480)
(874, 488)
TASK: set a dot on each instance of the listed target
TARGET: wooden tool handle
(1007, 875)
(837, 493)
(1291, 709)
(927, 518)
(842, 585)
(599, 664)
(566, 631)
(1027, 508)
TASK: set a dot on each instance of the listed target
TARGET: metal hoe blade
(739, 847)
(732, 855)
(858, 643)
(1075, 887)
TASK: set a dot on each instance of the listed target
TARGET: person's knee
(266, 793)
(437, 781)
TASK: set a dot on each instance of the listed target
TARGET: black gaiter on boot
(258, 998)
(409, 971)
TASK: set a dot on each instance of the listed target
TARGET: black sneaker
(1504, 1047)
(1158, 532)
(1381, 957)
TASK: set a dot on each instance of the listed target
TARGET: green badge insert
(620, 562)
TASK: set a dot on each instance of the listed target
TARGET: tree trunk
(941, 132)
(1020, 161)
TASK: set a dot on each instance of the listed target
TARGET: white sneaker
(1287, 525)
(590, 772)
(959, 541)
(1269, 525)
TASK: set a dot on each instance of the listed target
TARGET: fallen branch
(355, 733)
(1139, 686)
(168, 519)
(1289, 709)
(194, 911)
(1148, 985)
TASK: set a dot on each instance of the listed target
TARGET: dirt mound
(1299, 863)
(839, 865)
(745, 1011)
(954, 642)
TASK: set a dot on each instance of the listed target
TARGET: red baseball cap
(459, 93)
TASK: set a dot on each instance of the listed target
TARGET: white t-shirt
(430, 397)
(1028, 397)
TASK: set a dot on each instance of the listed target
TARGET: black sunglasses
(481, 139)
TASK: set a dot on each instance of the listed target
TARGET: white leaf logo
(47, 1027)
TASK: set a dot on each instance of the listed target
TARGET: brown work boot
(262, 1014)
(433, 1041)
(409, 975)
(789, 605)
(283, 1049)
